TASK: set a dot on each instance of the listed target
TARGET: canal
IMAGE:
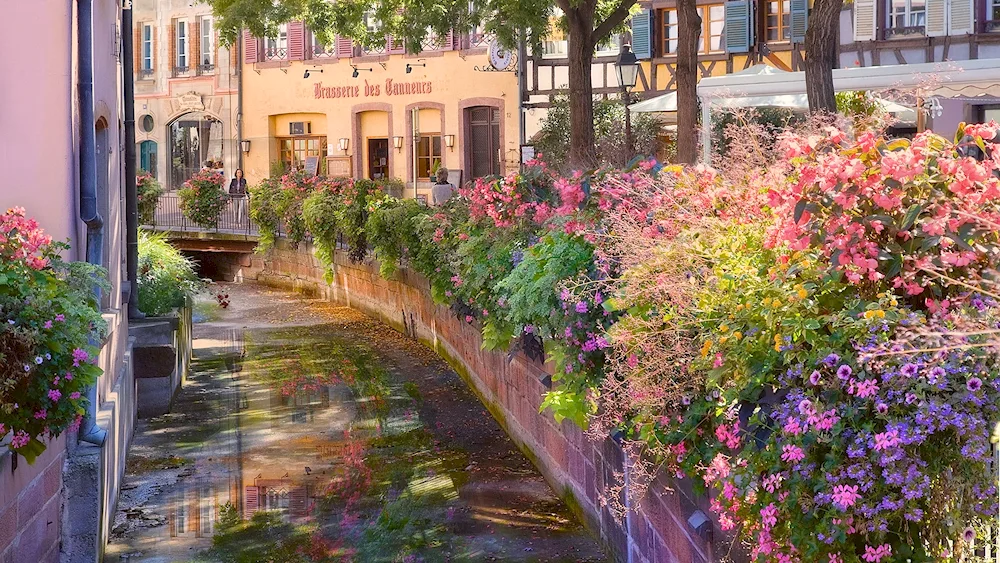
(311, 433)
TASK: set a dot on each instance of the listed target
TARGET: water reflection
(305, 445)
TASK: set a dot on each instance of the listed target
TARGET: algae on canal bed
(316, 434)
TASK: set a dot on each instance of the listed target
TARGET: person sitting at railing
(238, 194)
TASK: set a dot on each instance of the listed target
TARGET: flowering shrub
(50, 319)
(166, 277)
(148, 193)
(203, 198)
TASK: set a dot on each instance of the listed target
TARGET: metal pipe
(239, 105)
(415, 119)
(90, 432)
(131, 196)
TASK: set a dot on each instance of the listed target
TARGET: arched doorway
(196, 142)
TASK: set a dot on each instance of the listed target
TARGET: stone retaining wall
(659, 531)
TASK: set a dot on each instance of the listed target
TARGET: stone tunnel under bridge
(219, 256)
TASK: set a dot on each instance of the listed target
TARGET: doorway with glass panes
(483, 150)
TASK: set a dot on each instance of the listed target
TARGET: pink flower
(79, 355)
(769, 516)
(844, 496)
(48, 324)
(74, 395)
(791, 453)
(20, 439)
(60, 318)
(54, 395)
(876, 554)
(886, 440)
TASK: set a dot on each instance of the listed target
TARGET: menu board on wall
(312, 165)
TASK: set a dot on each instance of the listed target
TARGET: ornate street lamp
(627, 69)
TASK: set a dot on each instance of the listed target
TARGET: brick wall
(575, 466)
(30, 506)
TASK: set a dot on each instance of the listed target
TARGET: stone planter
(162, 355)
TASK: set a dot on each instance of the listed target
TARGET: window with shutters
(483, 134)
(905, 17)
(428, 154)
(276, 48)
(555, 45)
(778, 18)
(317, 50)
(712, 28)
(293, 151)
(146, 52)
(181, 47)
(206, 62)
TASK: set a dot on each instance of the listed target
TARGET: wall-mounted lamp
(449, 141)
(308, 72)
(409, 66)
(245, 145)
(358, 70)
(343, 144)
(398, 143)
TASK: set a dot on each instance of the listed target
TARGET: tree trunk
(821, 55)
(689, 24)
(580, 20)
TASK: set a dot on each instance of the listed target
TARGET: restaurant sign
(389, 88)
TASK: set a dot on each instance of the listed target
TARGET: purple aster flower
(909, 370)
(844, 371)
(974, 384)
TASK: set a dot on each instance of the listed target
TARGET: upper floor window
(182, 45)
(713, 26)
(146, 53)
(612, 46)
(276, 48)
(905, 16)
(318, 49)
(207, 43)
(993, 15)
(779, 20)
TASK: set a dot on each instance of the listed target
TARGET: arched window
(195, 143)
(147, 157)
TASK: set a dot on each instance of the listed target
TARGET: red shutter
(395, 46)
(137, 50)
(251, 502)
(296, 41)
(297, 502)
(345, 47)
(194, 44)
(249, 48)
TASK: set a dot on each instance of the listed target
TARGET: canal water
(310, 433)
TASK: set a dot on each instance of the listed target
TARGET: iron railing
(234, 218)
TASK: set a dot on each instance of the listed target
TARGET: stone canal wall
(669, 526)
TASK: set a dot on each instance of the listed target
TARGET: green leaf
(911, 216)
(800, 208)
(31, 450)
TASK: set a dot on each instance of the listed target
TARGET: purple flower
(581, 307)
(909, 370)
(79, 355)
(48, 324)
(831, 359)
(968, 535)
(882, 408)
(528, 329)
(974, 384)
(935, 374)
(814, 377)
(54, 395)
(39, 360)
(10, 321)
(844, 371)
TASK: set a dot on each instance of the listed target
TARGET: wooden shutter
(738, 26)
(642, 41)
(298, 502)
(296, 41)
(449, 41)
(864, 20)
(937, 18)
(251, 502)
(960, 16)
(137, 50)
(345, 47)
(172, 55)
(250, 53)
(395, 46)
(799, 15)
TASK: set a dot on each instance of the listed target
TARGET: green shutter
(642, 41)
(800, 19)
(738, 29)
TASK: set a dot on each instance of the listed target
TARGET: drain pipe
(90, 432)
(131, 197)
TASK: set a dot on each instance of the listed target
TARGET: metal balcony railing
(234, 218)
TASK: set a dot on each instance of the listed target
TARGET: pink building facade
(60, 508)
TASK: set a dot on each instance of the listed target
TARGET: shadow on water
(330, 442)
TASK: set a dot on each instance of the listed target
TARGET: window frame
(706, 30)
(182, 57)
(293, 151)
(991, 23)
(146, 53)
(431, 156)
(908, 14)
(207, 30)
(276, 48)
(783, 29)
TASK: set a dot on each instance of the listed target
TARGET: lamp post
(627, 69)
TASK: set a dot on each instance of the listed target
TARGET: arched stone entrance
(196, 142)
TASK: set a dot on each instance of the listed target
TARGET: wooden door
(378, 158)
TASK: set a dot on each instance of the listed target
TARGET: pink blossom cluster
(22, 240)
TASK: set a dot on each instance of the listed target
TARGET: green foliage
(392, 232)
(265, 537)
(774, 121)
(320, 213)
(166, 277)
(148, 193)
(352, 214)
(553, 139)
(264, 211)
(203, 198)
